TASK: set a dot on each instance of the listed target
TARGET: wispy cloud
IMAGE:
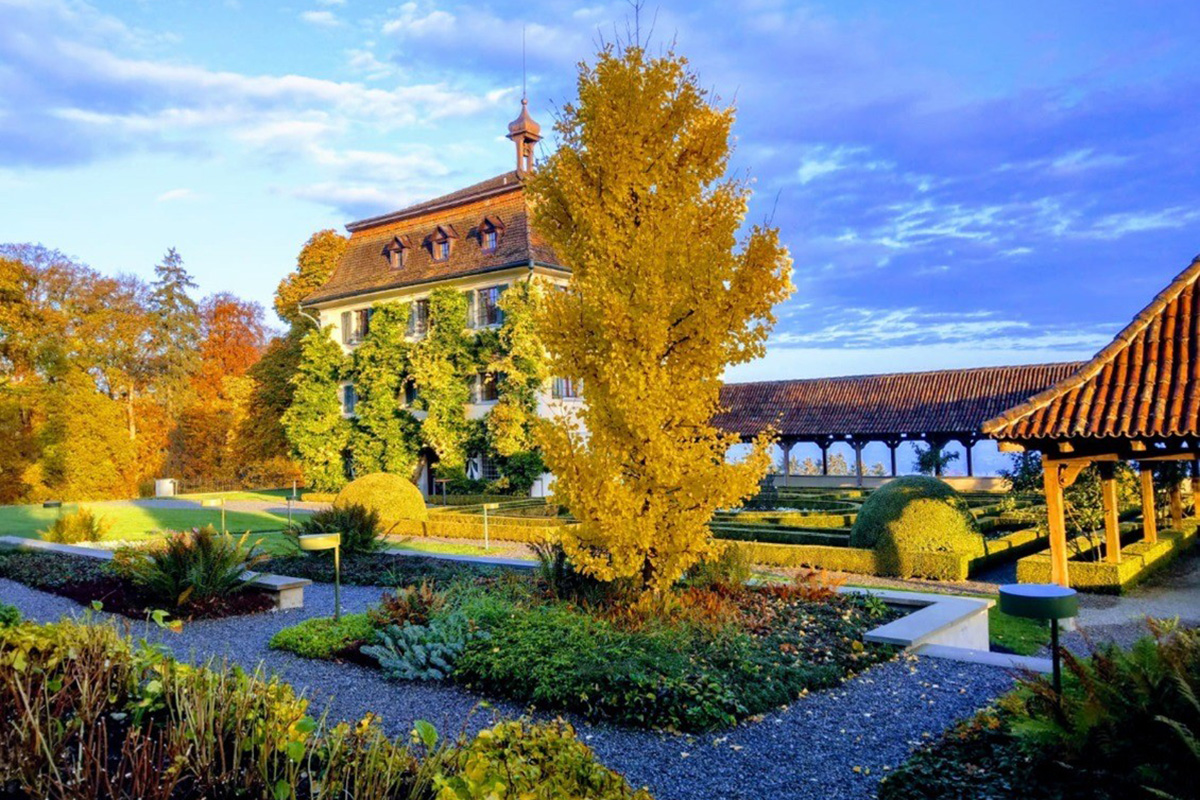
(322, 19)
(172, 195)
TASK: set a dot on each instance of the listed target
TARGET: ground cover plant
(83, 712)
(703, 656)
(192, 575)
(1128, 726)
(374, 568)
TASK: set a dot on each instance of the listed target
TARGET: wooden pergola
(936, 407)
(1138, 401)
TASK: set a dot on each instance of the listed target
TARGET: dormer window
(490, 231)
(395, 251)
(440, 242)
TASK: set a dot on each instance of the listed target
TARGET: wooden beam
(1112, 520)
(1010, 447)
(1051, 484)
(1188, 456)
(1176, 508)
(1149, 521)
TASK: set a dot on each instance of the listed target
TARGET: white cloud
(322, 19)
(331, 2)
(175, 194)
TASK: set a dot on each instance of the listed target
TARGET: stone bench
(937, 619)
(287, 592)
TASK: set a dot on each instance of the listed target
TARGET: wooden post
(824, 457)
(967, 445)
(1052, 485)
(892, 444)
(858, 468)
(787, 460)
(1112, 520)
(1176, 508)
(1149, 521)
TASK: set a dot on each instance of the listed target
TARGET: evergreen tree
(318, 433)
(386, 437)
(662, 298)
(176, 332)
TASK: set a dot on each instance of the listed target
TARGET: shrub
(358, 525)
(77, 526)
(322, 637)
(408, 604)
(911, 515)
(394, 498)
(9, 615)
(191, 567)
(422, 652)
(729, 567)
(533, 762)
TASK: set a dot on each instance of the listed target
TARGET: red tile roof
(945, 402)
(1144, 385)
(364, 267)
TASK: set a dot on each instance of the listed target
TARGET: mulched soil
(121, 597)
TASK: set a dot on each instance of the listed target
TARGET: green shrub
(422, 652)
(915, 514)
(358, 525)
(532, 762)
(322, 637)
(394, 498)
(190, 567)
(728, 567)
(318, 497)
(77, 526)
(9, 615)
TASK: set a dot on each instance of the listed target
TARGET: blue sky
(960, 183)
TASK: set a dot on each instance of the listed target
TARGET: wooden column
(892, 444)
(1177, 507)
(967, 445)
(786, 444)
(824, 457)
(858, 468)
(1149, 521)
(1112, 520)
(1052, 485)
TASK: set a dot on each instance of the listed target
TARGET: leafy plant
(729, 566)
(81, 525)
(323, 637)
(192, 567)
(421, 652)
(9, 615)
(408, 604)
(358, 525)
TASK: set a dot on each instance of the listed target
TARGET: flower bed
(704, 658)
(84, 713)
(1127, 726)
(89, 581)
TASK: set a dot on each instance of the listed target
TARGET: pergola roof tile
(949, 402)
(1143, 385)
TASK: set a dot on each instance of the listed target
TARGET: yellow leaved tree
(665, 293)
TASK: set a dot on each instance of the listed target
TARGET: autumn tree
(440, 363)
(663, 298)
(315, 264)
(521, 365)
(315, 427)
(176, 328)
(386, 436)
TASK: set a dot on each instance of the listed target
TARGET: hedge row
(751, 533)
(471, 499)
(793, 519)
(318, 497)
(1138, 560)
(462, 526)
(1006, 548)
(937, 566)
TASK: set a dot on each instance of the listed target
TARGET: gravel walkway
(831, 745)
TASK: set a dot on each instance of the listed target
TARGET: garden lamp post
(55, 504)
(328, 541)
(1046, 601)
(216, 502)
(487, 507)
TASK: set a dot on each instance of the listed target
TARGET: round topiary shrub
(397, 501)
(913, 515)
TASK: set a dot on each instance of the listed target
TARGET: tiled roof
(364, 267)
(953, 401)
(1145, 384)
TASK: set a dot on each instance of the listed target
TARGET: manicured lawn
(265, 495)
(132, 520)
(445, 548)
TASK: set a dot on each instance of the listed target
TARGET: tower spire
(523, 131)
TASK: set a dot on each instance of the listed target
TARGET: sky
(960, 184)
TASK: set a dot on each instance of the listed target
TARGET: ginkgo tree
(666, 292)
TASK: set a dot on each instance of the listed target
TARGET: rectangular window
(490, 239)
(418, 318)
(347, 334)
(441, 251)
(487, 306)
(349, 399)
(565, 389)
(362, 323)
(411, 393)
(489, 468)
(487, 387)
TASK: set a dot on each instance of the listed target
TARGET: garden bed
(91, 582)
(377, 569)
(705, 658)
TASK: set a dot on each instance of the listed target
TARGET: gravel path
(831, 745)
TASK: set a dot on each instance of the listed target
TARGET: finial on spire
(524, 131)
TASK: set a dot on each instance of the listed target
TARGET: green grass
(444, 548)
(131, 521)
(265, 495)
(321, 637)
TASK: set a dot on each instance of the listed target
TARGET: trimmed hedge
(318, 497)
(1139, 559)
(913, 516)
(796, 519)
(396, 499)
(472, 499)
(1006, 548)
(936, 566)
(769, 534)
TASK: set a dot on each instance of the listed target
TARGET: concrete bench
(287, 592)
(936, 619)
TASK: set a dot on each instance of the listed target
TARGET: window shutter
(345, 327)
(472, 309)
(500, 311)
(556, 389)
